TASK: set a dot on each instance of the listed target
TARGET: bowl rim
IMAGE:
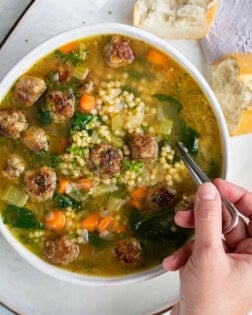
(82, 32)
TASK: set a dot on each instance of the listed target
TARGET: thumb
(208, 218)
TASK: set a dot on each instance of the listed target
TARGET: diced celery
(116, 141)
(14, 196)
(116, 122)
(81, 72)
(114, 204)
(83, 51)
(165, 126)
(102, 189)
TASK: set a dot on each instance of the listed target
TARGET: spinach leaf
(189, 137)
(152, 227)
(97, 242)
(20, 217)
(45, 117)
(73, 58)
(169, 99)
(213, 169)
(80, 120)
(64, 201)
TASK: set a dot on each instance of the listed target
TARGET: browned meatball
(186, 203)
(60, 105)
(40, 185)
(35, 139)
(143, 147)
(105, 159)
(12, 123)
(28, 89)
(160, 196)
(118, 52)
(14, 167)
(61, 250)
(128, 251)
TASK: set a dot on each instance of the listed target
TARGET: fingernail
(207, 192)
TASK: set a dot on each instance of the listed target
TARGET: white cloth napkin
(231, 31)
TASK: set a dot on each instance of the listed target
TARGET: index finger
(239, 196)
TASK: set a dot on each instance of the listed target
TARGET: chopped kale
(45, 117)
(75, 150)
(42, 158)
(20, 217)
(73, 58)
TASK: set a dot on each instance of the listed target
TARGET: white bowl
(86, 31)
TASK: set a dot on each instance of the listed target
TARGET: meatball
(28, 89)
(160, 197)
(35, 139)
(60, 105)
(128, 251)
(14, 167)
(12, 123)
(118, 52)
(186, 203)
(143, 147)
(40, 185)
(61, 250)
(105, 159)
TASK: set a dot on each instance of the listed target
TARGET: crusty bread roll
(232, 84)
(175, 19)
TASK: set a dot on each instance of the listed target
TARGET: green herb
(81, 120)
(20, 217)
(134, 166)
(64, 201)
(135, 75)
(169, 99)
(42, 158)
(97, 242)
(73, 58)
(75, 150)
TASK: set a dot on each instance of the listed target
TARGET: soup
(90, 180)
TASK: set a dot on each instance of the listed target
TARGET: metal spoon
(200, 177)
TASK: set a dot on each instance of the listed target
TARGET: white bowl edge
(83, 32)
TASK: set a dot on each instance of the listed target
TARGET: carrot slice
(139, 193)
(69, 47)
(157, 58)
(105, 223)
(84, 184)
(136, 204)
(120, 228)
(91, 222)
(55, 220)
(63, 184)
(87, 103)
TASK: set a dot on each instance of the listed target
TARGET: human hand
(215, 274)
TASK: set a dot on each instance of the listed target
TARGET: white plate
(23, 287)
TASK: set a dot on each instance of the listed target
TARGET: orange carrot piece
(69, 47)
(105, 223)
(139, 193)
(64, 182)
(84, 184)
(87, 103)
(120, 228)
(157, 58)
(90, 223)
(55, 220)
(136, 204)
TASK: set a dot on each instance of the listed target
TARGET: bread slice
(175, 19)
(232, 84)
